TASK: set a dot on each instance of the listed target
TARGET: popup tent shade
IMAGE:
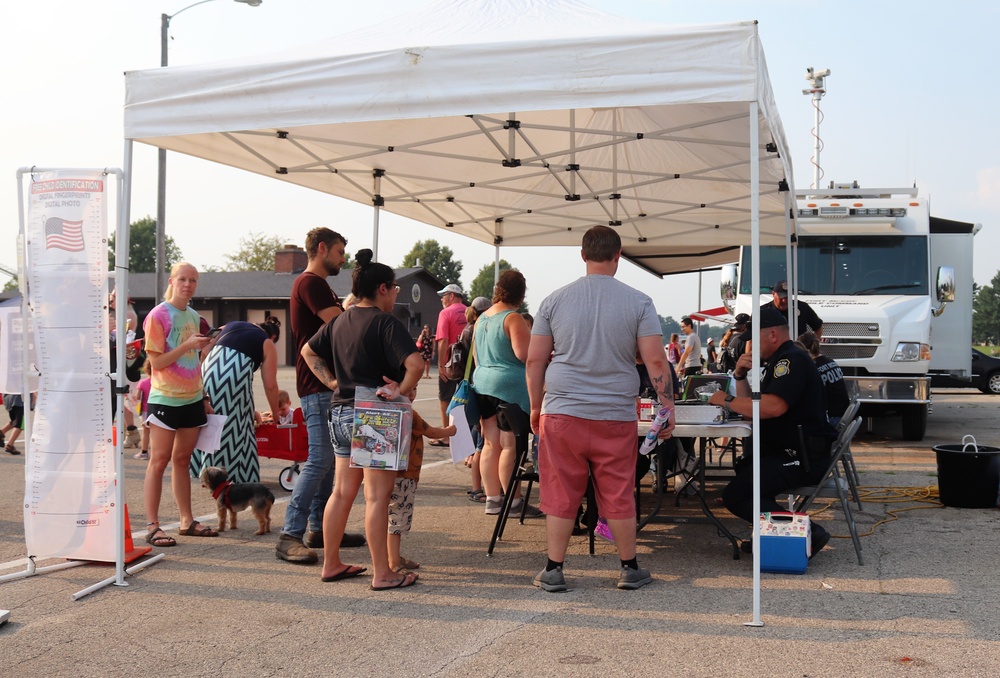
(514, 122)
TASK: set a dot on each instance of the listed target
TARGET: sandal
(196, 529)
(10, 449)
(163, 541)
(409, 564)
(477, 496)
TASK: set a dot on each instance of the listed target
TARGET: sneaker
(531, 512)
(294, 551)
(552, 581)
(493, 507)
(633, 579)
(141, 455)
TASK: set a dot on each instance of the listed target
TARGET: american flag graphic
(64, 235)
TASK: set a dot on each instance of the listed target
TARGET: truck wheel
(914, 422)
(992, 383)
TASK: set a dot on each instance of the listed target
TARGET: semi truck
(891, 283)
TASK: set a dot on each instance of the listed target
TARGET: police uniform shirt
(806, 316)
(791, 375)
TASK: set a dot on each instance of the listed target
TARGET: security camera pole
(817, 88)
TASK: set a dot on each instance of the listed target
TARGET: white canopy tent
(514, 122)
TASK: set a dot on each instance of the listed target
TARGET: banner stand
(31, 371)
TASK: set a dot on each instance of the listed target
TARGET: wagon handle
(970, 441)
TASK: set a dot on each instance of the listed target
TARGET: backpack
(726, 360)
(458, 356)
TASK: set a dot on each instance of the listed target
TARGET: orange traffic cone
(131, 550)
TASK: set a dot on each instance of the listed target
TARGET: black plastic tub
(968, 477)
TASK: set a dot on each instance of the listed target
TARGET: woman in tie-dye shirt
(177, 406)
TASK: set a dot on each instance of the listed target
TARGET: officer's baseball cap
(780, 288)
(770, 317)
(741, 319)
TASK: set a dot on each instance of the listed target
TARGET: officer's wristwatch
(725, 406)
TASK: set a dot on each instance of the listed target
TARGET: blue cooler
(784, 542)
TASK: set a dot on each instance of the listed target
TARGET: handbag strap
(472, 356)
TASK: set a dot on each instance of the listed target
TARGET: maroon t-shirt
(310, 295)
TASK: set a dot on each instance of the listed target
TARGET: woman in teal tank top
(501, 340)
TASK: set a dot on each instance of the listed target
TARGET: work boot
(294, 551)
(314, 540)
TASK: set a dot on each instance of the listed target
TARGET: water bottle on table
(659, 419)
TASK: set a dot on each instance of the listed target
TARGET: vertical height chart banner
(70, 468)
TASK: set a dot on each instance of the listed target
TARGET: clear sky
(912, 99)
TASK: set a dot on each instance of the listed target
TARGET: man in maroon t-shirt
(312, 304)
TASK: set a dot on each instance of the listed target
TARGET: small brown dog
(235, 497)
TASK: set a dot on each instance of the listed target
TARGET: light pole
(161, 181)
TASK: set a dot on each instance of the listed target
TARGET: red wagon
(285, 441)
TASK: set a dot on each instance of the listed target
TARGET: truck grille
(847, 352)
(848, 330)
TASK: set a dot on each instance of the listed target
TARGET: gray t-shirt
(594, 323)
(694, 358)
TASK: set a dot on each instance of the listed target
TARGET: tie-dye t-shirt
(166, 328)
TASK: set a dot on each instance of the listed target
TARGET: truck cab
(880, 272)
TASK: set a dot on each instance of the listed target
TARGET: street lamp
(161, 182)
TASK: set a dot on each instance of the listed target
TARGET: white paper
(461, 443)
(210, 435)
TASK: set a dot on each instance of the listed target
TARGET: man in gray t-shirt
(583, 382)
(690, 362)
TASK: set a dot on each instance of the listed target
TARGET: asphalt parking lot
(924, 602)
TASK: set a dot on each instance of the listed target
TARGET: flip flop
(437, 443)
(196, 529)
(10, 449)
(349, 572)
(409, 564)
(407, 580)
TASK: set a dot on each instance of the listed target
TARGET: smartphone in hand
(213, 333)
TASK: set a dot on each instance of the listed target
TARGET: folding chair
(833, 486)
(514, 418)
(846, 458)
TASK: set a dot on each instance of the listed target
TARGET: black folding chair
(512, 417)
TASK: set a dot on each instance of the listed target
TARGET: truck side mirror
(946, 284)
(727, 286)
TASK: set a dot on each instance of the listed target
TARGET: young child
(401, 501)
(142, 390)
(285, 413)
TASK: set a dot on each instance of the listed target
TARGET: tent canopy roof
(514, 122)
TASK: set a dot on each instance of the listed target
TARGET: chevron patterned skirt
(228, 377)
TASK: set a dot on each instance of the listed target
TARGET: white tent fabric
(515, 122)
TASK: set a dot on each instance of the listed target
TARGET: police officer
(792, 394)
(804, 316)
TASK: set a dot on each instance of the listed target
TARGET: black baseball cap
(770, 317)
(741, 319)
(780, 288)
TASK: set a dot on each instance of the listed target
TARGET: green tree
(255, 253)
(142, 248)
(11, 285)
(439, 261)
(986, 312)
(482, 284)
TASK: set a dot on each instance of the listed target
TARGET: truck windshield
(847, 265)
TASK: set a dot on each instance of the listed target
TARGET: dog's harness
(223, 491)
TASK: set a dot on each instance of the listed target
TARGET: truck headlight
(909, 352)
